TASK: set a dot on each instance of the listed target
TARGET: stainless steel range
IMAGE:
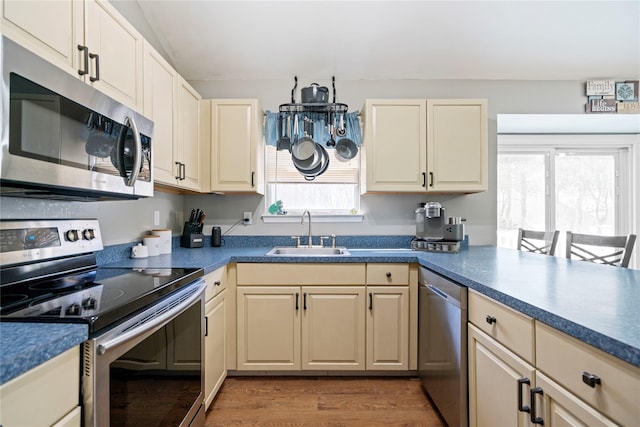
(143, 362)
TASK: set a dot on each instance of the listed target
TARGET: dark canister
(216, 237)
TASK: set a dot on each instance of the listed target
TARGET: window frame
(626, 151)
(319, 215)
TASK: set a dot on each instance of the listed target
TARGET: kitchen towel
(165, 239)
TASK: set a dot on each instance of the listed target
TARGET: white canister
(139, 251)
(153, 243)
(165, 239)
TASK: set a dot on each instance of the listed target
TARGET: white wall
(392, 214)
(120, 221)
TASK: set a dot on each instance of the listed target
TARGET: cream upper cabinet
(161, 106)
(388, 327)
(188, 146)
(333, 328)
(115, 53)
(47, 395)
(395, 134)
(51, 29)
(174, 107)
(237, 149)
(457, 145)
(417, 146)
(89, 39)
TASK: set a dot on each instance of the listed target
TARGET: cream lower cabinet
(388, 328)
(570, 383)
(494, 374)
(418, 146)
(237, 149)
(300, 328)
(388, 317)
(47, 395)
(581, 385)
(215, 333)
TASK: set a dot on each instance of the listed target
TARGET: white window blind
(336, 191)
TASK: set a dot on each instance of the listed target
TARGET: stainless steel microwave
(63, 139)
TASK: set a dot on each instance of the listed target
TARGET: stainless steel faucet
(302, 222)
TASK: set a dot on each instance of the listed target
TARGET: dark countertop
(24, 346)
(599, 305)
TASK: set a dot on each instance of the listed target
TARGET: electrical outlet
(156, 218)
(247, 218)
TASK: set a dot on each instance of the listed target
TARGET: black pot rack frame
(327, 108)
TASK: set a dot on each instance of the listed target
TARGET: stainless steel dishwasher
(442, 345)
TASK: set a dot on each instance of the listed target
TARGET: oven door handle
(150, 323)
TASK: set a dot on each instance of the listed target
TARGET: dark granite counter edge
(605, 343)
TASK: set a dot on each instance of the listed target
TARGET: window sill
(279, 219)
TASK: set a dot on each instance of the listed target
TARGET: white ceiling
(519, 40)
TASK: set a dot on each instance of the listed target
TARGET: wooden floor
(324, 401)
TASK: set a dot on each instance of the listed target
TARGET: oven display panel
(28, 238)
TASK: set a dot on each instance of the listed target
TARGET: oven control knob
(89, 303)
(73, 310)
(72, 235)
(88, 234)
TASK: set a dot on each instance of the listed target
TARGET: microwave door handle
(137, 162)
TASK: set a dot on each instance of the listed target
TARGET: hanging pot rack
(327, 108)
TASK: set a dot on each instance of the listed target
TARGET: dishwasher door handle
(437, 291)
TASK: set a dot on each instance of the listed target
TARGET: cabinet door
(457, 147)
(561, 408)
(51, 29)
(188, 143)
(215, 349)
(120, 53)
(237, 152)
(388, 328)
(268, 328)
(395, 145)
(494, 372)
(160, 105)
(333, 328)
(43, 395)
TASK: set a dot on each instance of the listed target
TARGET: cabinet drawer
(565, 359)
(300, 274)
(387, 274)
(216, 283)
(512, 329)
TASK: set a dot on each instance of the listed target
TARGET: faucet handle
(333, 240)
(322, 239)
(297, 238)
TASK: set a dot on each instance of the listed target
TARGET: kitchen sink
(307, 251)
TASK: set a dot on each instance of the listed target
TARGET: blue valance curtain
(320, 132)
